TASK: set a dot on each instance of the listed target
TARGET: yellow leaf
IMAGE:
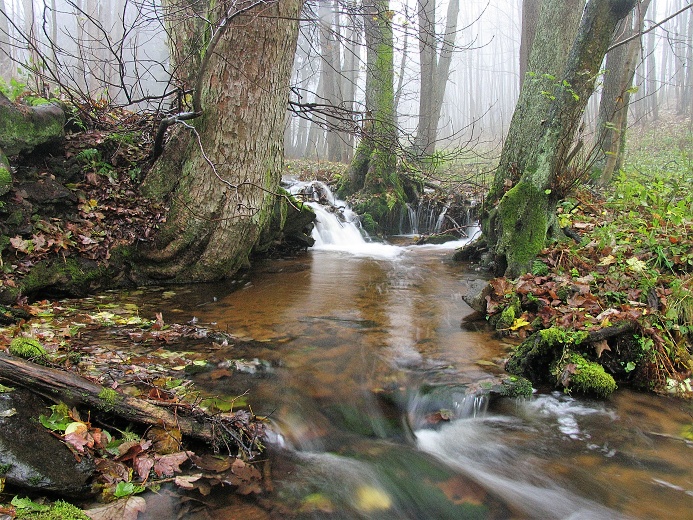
(608, 260)
(519, 323)
(369, 499)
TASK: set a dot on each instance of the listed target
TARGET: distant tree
(5, 49)
(615, 96)
(435, 56)
(373, 170)
(533, 174)
(530, 18)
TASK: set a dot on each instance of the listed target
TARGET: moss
(110, 398)
(508, 316)
(533, 358)
(59, 510)
(109, 395)
(523, 219)
(577, 374)
(5, 179)
(28, 348)
(516, 386)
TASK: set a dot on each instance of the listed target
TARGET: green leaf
(58, 420)
(124, 489)
(28, 505)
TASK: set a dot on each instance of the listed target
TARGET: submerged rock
(32, 458)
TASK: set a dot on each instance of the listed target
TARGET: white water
(475, 446)
(337, 227)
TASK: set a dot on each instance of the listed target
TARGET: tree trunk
(517, 228)
(330, 69)
(556, 30)
(6, 65)
(530, 19)
(220, 177)
(613, 107)
(435, 68)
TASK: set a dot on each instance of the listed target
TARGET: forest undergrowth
(630, 265)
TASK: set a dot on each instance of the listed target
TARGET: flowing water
(356, 351)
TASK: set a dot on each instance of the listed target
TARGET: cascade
(337, 226)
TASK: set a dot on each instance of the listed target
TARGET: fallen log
(75, 390)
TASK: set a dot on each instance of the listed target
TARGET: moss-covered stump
(563, 359)
(380, 212)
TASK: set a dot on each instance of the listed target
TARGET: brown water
(342, 351)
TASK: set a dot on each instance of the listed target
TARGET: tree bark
(220, 177)
(517, 228)
(555, 33)
(613, 106)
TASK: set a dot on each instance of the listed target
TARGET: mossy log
(75, 390)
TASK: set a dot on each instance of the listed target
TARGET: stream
(358, 354)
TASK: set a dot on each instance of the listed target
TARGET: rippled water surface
(353, 351)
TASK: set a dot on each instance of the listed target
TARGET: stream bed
(363, 365)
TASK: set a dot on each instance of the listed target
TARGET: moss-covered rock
(515, 386)
(28, 348)
(576, 374)
(22, 128)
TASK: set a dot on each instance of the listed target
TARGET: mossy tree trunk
(518, 225)
(556, 27)
(221, 177)
(373, 171)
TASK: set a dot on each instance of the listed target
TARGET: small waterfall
(337, 227)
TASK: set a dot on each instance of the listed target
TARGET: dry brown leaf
(125, 509)
(601, 346)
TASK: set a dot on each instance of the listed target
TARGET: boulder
(31, 457)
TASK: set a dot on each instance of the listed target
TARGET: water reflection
(352, 343)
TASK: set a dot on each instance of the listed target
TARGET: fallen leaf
(125, 509)
(601, 346)
(170, 464)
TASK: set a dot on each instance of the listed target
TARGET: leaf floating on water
(369, 498)
(317, 502)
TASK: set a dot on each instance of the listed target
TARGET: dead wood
(75, 390)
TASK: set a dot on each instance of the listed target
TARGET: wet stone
(32, 458)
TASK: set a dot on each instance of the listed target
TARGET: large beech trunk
(221, 177)
(530, 187)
